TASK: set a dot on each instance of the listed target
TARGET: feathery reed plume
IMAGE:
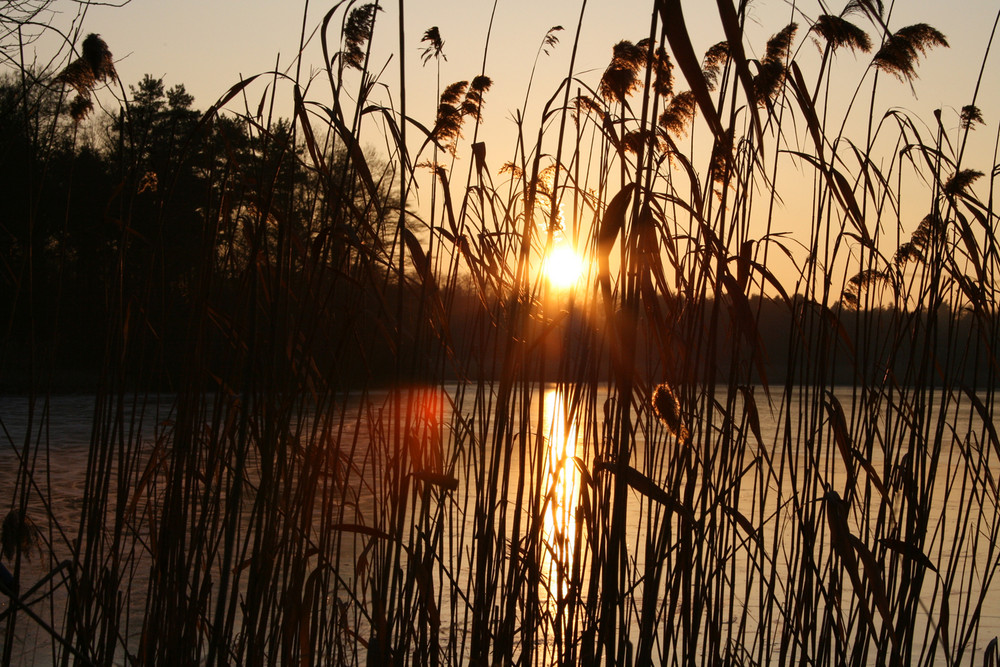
(779, 46)
(435, 168)
(772, 67)
(95, 65)
(448, 125)
(98, 56)
(838, 32)
(79, 75)
(621, 78)
(19, 535)
(435, 45)
(458, 100)
(357, 32)
(545, 179)
(481, 83)
(907, 252)
(900, 53)
(663, 76)
(930, 231)
(874, 9)
(970, 115)
(510, 168)
(722, 158)
(711, 66)
(668, 409)
(961, 181)
(679, 112)
(473, 103)
(635, 139)
(453, 93)
(551, 39)
(584, 104)
(863, 280)
(80, 107)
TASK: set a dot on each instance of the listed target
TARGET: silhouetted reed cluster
(342, 417)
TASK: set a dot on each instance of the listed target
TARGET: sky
(209, 45)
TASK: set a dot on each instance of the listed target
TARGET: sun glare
(563, 267)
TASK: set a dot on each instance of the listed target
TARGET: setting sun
(563, 267)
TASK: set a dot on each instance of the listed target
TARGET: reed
(332, 416)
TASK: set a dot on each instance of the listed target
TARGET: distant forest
(140, 223)
(142, 217)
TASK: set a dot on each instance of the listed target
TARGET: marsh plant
(781, 439)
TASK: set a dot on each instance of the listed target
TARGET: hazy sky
(208, 44)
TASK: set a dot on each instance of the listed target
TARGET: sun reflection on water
(563, 486)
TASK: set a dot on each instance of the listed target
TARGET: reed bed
(347, 449)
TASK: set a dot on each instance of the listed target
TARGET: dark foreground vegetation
(355, 343)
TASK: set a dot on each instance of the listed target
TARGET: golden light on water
(563, 267)
(564, 491)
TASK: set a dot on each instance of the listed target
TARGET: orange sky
(209, 45)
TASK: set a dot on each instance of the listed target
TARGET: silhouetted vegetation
(359, 464)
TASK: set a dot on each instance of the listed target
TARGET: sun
(562, 267)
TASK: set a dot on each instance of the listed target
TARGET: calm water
(62, 430)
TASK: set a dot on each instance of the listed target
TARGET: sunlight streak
(563, 478)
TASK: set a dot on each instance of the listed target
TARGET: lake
(537, 487)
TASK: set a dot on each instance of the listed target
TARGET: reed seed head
(481, 84)
(663, 76)
(98, 56)
(711, 66)
(838, 32)
(929, 232)
(900, 53)
(18, 534)
(621, 78)
(862, 281)
(80, 107)
(584, 104)
(453, 93)
(873, 9)
(779, 46)
(772, 68)
(679, 112)
(357, 32)
(93, 66)
(970, 115)
(636, 139)
(907, 252)
(435, 45)
(551, 38)
(515, 172)
(459, 100)
(961, 181)
(668, 409)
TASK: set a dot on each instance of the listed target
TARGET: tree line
(117, 220)
(122, 233)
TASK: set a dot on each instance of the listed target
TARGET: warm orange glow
(563, 267)
(563, 480)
